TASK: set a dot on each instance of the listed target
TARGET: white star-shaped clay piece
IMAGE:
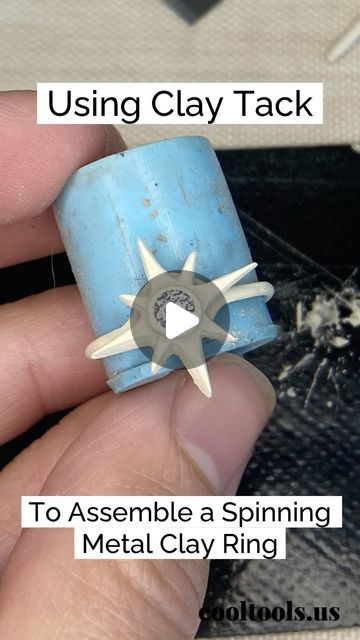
(148, 315)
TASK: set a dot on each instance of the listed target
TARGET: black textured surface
(300, 210)
(300, 215)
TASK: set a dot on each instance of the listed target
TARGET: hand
(162, 438)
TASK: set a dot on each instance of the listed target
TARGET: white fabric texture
(145, 40)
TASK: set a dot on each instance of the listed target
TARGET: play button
(179, 312)
(178, 320)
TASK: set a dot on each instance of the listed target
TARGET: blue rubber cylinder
(173, 195)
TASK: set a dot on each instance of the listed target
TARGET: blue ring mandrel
(172, 194)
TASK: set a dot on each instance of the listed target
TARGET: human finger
(44, 368)
(35, 163)
(161, 439)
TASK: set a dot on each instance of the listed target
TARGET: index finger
(36, 161)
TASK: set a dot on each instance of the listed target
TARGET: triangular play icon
(178, 320)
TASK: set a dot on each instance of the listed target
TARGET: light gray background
(145, 40)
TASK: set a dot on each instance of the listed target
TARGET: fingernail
(219, 433)
(259, 377)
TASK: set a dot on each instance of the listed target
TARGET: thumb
(160, 439)
(219, 435)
